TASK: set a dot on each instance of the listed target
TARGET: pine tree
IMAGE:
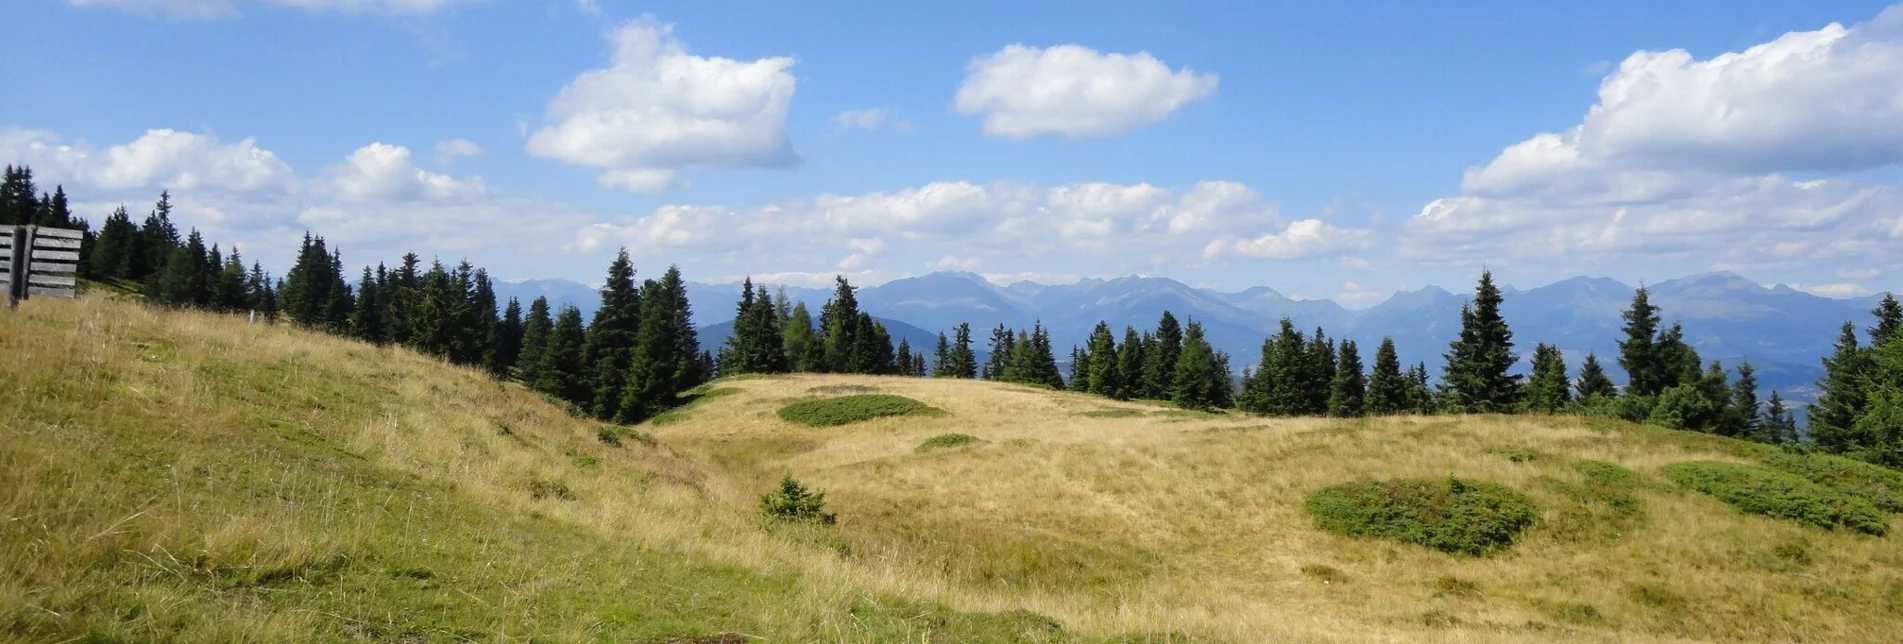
(1202, 375)
(757, 344)
(1680, 361)
(559, 372)
(116, 238)
(1841, 394)
(1130, 365)
(1043, 363)
(508, 340)
(1421, 398)
(611, 337)
(1159, 369)
(306, 294)
(1387, 387)
(1889, 320)
(1475, 378)
(941, 358)
(16, 196)
(873, 354)
(839, 329)
(438, 317)
(964, 361)
(1744, 420)
(667, 358)
(1079, 369)
(229, 288)
(805, 349)
(1106, 372)
(1780, 425)
(478, 340)
(903, 356)
(1593, 382)
(1347, 397)
(535, 334)
(1001, 339)
(1548, 390)
(366, 323)
(1646, 370)
(404, 295)
(1284, 383)
(1321, 364)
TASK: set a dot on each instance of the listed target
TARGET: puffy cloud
(208, 9)
(656, 109)
(1858, 274)
(1354, 295)
(867, 119)
(1694, 160)
(1074, 91)
(382, 172)
(1304, 238)
(164, 159)
(448, 150)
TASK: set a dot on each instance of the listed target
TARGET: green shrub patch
(1451, 515)
(827, 412)
(1779, 494)
(948, 441)
(1881, 486)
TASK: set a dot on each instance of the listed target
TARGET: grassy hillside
(178, 476)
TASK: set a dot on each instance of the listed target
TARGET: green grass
(1881, 486)
(948, 441)
(689, 401)
(829, 412)
(1451, 515)
(1778, 494)
(1111, 413)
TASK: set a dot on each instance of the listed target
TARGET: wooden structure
(36, 260)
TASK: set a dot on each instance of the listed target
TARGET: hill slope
(172, 476)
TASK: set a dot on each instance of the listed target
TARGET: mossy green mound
(828, 412)
(1451, 515)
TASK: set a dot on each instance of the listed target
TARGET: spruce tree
(964, 361)
(757, 344)
(667, 358)
(874, 354)
(1779, 425)
(1001, 339)
(839, 329)
(1347, 397)
(1285, 381)
(1421, 398)
(611, 337)
(805, 348)
(1159, 369)
(1202, 375)
(903, 356)
(535, 334)
(1043, 363)
(1321, 367)
(560, 372)
(1106, 372)
(404, 295)
(941, 358)
(1079, 369)
(1744, 419)
(229, 288)
(508, 340)
(111, 252)
(1593, 383)
(1475, 378)
(1387, 387)
(1841, 394)
(439, 315)
(1889, 316)
(1639, 351)
(477, 342)
(1130, 365)
(366, 323)
(1548, 390)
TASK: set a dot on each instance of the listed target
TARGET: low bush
(948, 441)
(794, 503)
(1881, 486)
(1515, 454)
(1451, 515)
(827, 412)
(1779, 494)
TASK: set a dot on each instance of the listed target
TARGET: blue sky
(1340, 150)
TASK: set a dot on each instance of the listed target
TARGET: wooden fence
(36, 260)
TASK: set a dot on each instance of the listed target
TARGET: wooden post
(17, 267)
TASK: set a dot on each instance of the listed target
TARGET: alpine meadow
(778, 322)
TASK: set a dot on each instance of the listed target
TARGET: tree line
(640, 352)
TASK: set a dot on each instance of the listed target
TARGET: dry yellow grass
(186, 476)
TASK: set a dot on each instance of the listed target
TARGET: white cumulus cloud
(868, 119)
(1303, 238)
(1074, 91)
(162, 158)
(447, 150)
(656, 110)
(383, 172)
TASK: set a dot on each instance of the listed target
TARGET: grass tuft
(1779, 494)
(948, 441)
(1881, 486)
(1451, 515)
(829, 412)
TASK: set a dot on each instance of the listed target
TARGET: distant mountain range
(1782, 331)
